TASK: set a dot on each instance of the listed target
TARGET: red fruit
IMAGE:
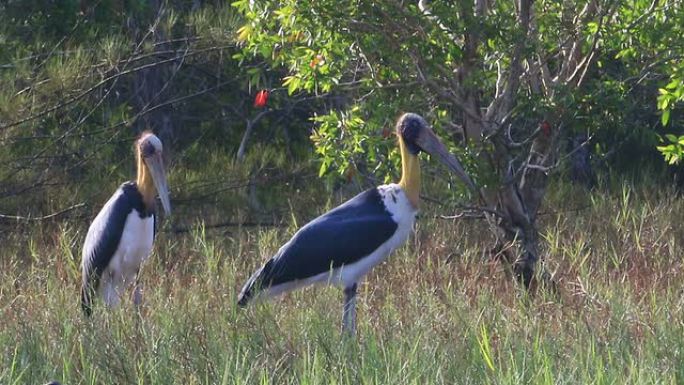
(261, 99)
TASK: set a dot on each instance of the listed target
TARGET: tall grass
(439, 311)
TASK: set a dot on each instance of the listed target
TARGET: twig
(463, 215)
(483, 210)
(50, 216)
(100, 84)
(546, 169)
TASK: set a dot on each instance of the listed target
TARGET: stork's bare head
(149, 148)
(418, 136)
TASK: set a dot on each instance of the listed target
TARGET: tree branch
(101, 83)
(41, 218)
(501, 105)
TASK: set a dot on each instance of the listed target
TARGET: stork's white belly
(134, 247)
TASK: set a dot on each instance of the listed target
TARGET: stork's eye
(147, 149)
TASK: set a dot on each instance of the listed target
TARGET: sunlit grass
(439, 311)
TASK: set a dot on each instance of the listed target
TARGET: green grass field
(439, 311)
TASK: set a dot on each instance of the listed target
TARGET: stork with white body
(342, 245)
(120, 238)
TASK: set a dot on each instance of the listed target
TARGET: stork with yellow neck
(344, 244)
(120, 237)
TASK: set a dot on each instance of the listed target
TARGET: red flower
(261, 99)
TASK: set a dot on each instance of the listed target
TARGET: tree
(649, 40)
(503, 77)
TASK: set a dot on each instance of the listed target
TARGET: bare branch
(499, 79)
(543, 169)
(442, 91)
(502, 104)
(248, 131)
(513, 144)
(44, 217)
(604, 15)
(101, 83)
(557, 163)
(589, 58)
(472, 211)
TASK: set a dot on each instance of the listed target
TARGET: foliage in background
(639, 80)
(79, 80)
(353, 48)
(343, 48)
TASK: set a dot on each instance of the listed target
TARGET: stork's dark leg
(349, 313)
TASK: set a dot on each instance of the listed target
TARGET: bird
(121, 236)
(341, 246)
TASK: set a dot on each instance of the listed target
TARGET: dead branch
(248, 131)
(104, 81)
(502, 104)
(474, 211)
(41, 218)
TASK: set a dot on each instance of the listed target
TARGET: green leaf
(292, 84)
(665, 118)
(240, 4)
(673, 84)
(244, 33)
(592, 27)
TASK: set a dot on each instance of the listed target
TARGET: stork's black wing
(104, 235)
(339, 237)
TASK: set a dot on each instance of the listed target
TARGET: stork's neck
(410, 174)
(145, 184)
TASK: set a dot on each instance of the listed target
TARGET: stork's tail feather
(244, 297)
(254, 284)
(248, 290)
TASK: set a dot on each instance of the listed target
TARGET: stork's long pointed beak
(430, 143)
(156, 167)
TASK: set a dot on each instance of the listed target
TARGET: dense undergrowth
(439, 311)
